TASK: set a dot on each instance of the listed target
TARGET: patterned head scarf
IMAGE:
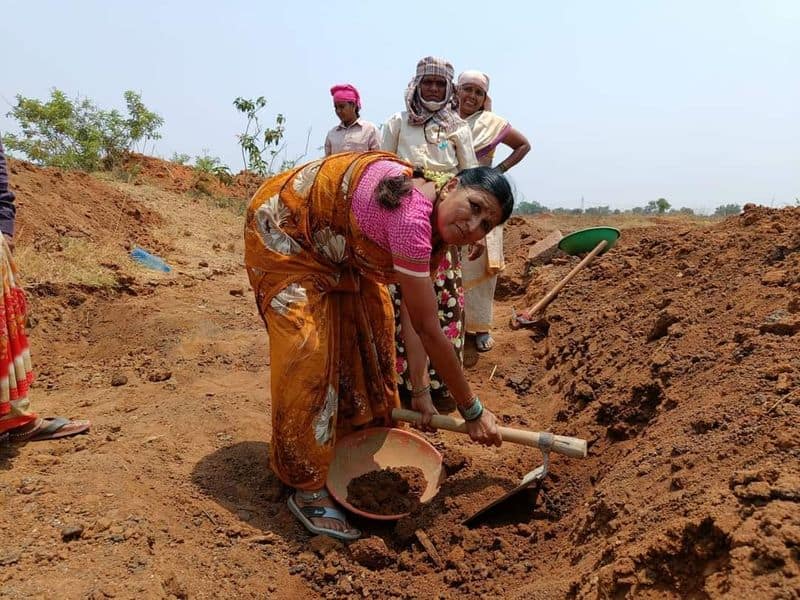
(480, 80)
(421, 111)
(346, 93)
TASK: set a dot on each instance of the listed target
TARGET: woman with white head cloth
(488, 131)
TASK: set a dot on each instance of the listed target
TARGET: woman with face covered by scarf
(488, 131)
(432, 137)
(429, 134)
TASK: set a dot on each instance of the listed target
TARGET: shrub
(727, 210)
(76, 134)
(213, 166)
(529, 208)
(180, 159)
(597, 211)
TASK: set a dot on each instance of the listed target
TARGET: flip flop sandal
(49, 428)
(484, 342)
(306, 513)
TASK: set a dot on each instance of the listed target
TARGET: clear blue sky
(624, 102)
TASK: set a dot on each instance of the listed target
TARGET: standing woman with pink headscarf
(488, 131)
(436, 141)
(352, 134)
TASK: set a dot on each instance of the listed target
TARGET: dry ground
(676, 355)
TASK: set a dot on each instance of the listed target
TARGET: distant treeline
(654, 207)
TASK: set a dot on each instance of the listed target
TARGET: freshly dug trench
(391, 491)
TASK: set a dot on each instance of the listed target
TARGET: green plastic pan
(592, 242)
(585, 240)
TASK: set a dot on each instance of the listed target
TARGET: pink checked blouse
(405, 231)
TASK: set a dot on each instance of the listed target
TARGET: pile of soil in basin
(391, 491)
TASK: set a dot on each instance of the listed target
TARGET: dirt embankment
(675, 355)
(181, 179)
(53, 204)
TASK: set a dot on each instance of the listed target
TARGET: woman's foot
(484, 341)
(317, 511)
(470, 357)
(47, 428)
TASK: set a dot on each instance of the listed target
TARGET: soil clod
(392, 491)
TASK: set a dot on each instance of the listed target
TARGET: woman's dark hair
(492, 181)
(391, 190)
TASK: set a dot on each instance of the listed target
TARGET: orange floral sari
(320, 287)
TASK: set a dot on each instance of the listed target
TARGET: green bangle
(474, 411)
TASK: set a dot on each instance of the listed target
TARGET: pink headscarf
(345, 92)
(480, 80)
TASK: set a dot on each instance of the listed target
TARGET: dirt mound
(675, 355)
(518, 235)
(182, 179)
(54, 204)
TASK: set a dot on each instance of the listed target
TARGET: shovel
(595, 241)
(545, 441)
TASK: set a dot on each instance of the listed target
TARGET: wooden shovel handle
(550, 296)
(568, 446)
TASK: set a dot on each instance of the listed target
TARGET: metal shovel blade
(529, 486)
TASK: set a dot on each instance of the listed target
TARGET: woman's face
(465, 215)
(433, 88)
(346, 111)
(470, 99)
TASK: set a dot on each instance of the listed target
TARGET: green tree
(260, 146)
(529, 208)
(142, 124)
(76, 134)
(598, 211)
(725, 210)
(659, 206)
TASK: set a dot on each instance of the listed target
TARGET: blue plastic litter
(151, 261)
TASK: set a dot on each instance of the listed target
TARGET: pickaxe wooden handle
(569, 446)
(551, 295)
